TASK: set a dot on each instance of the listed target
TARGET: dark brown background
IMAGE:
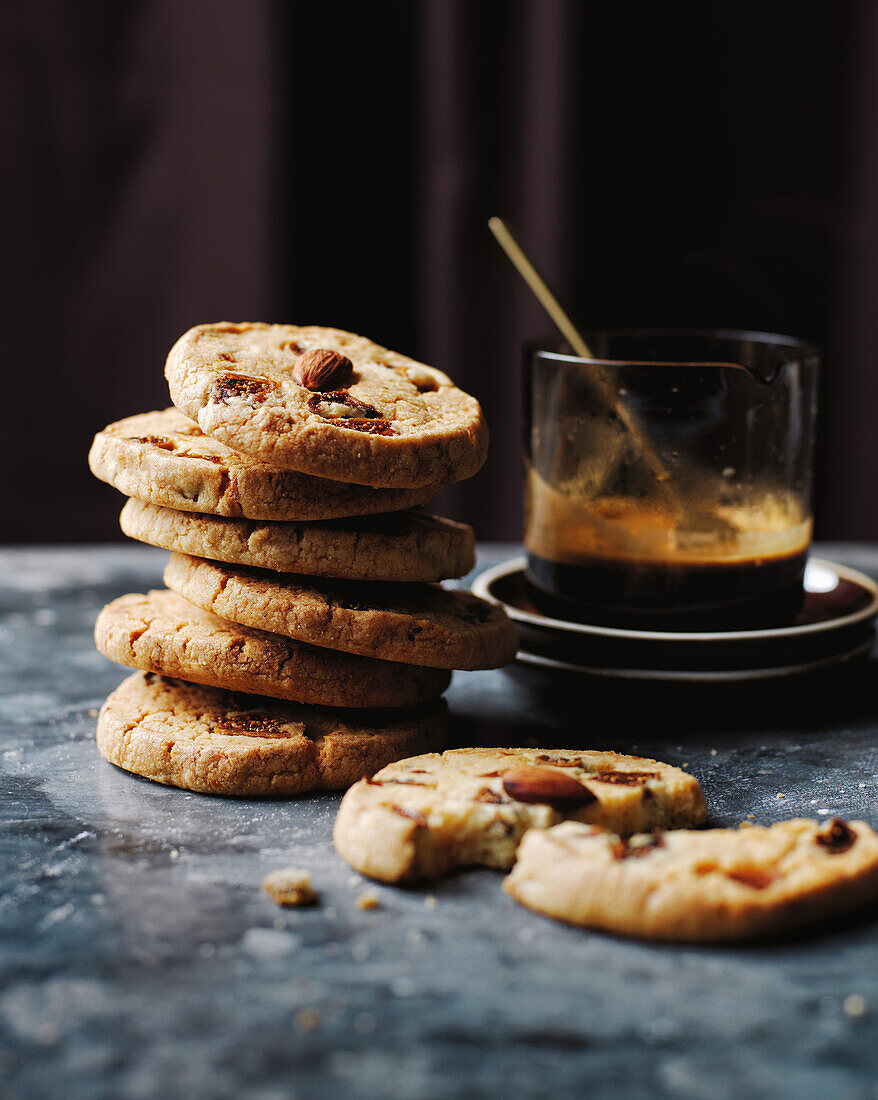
(168, 162)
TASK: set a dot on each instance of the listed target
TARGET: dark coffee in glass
(668, 481)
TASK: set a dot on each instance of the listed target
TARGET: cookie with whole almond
(421, 624)
(421, 817)
(716, 884)
(401, 546)
(326, 402)
(164, 458)
(217, 742)
(160, 632)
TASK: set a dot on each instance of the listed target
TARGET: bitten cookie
(421, 817)
(162, 633)
(165, 459)
(719, 884)
(419, 624)
(216, 742)
(328, 403)
(402, 546)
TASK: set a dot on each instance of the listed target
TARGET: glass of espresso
(668, 479)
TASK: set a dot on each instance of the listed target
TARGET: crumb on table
(369, 900)
(290, 886)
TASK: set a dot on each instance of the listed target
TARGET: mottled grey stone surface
(139, 957)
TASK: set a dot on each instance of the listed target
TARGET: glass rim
(540, 347)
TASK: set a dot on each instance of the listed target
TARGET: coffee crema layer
(566, 529)
(624, 562)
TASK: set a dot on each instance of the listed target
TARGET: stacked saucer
(835, 627)
(303, 640)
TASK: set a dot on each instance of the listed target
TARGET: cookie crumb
(94, 713)
(686, 765)
(307, 1019)
(431, 901)
(713, 752)
(855, 1006)
(369, 900)
(174, 854)
(291, 886)
(780, 794)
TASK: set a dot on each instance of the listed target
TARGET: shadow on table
(557, 708)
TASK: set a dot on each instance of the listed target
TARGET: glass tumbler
(668, 479)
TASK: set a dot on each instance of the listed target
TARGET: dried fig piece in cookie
(159, 441)
(624, 779)
(836, 837)
(244, 387)
(346, 411)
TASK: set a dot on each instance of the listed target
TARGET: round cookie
(164, 458)
(421, 817)
(162, 633)
(420, 624)
(203, 739)
(402, 546)
(364, 414)
(717, 884)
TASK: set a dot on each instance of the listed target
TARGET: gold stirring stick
(568, 330)
(538, 285)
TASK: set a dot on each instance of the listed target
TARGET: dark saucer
(834, 625)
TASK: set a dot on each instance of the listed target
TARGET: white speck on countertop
(269, 943)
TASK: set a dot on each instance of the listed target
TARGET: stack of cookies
(303, 640)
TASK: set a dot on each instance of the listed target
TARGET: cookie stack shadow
(303, 640)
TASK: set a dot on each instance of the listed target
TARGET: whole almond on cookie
(323, 369)
(546, 785)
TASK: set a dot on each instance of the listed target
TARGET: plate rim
(481, 586)
(537, 660)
